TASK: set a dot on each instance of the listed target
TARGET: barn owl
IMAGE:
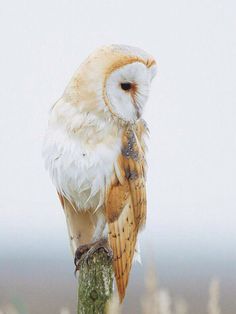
(94, 150)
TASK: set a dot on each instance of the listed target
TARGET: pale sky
(191, 112)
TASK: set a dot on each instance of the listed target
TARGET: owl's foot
(100, 245)
(84, 252)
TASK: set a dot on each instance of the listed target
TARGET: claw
(108, 251)
(98, 247)
(84, 252)
(79, 254)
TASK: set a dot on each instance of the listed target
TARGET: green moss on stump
(95, 284)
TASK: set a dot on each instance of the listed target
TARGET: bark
(95, 284)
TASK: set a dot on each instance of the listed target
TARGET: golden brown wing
(126, 204)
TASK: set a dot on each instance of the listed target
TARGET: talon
(81, 250)
(79, 254)
(101, 245)
(109, 254)
(107, 250)
(84, 252)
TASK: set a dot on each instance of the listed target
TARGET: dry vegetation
(158, 300)
(155, 301)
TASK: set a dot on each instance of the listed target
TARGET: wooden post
(95, 284)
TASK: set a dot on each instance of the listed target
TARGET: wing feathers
(122, 241)
(126, 204)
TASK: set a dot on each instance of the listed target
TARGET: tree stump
(95, 284)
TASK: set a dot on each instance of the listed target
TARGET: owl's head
(114, 79)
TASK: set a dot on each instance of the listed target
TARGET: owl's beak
(136, 106)
(137, 109)
(138, 112)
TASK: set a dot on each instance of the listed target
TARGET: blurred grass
(156, 300)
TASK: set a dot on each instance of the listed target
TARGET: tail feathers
(122, 239)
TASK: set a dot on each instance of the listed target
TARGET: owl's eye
(126, 86)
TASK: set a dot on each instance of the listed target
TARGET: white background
(191, 114)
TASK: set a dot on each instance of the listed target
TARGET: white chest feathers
(81, 164)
